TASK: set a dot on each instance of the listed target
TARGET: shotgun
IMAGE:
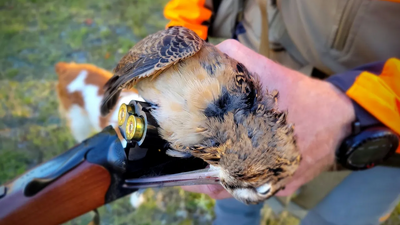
(97, 171)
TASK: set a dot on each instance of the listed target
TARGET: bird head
(254, 153)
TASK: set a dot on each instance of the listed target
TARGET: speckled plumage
(208, 105)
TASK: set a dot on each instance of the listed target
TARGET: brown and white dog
(80, 92)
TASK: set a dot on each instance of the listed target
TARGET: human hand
(322, 115)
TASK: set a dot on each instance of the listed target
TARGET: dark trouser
(362, 198)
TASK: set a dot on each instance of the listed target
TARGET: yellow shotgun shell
(123, 113)
(134, 128)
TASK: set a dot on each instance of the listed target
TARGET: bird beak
(196, 177)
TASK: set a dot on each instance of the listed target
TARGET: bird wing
(149, 57)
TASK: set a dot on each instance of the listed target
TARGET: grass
(34, 36)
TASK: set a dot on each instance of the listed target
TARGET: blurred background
(34, 36)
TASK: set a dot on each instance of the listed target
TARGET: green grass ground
(36, 34)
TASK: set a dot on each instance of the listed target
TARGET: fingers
(214, 191)
(241, 53)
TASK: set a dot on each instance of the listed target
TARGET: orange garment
(380, 95)
(188, 13)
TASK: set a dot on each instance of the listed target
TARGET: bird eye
(239, 80)
(264, 189)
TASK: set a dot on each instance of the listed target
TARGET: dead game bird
(209, 106)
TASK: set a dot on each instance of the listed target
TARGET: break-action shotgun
(97, 171)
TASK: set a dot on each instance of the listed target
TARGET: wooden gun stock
(67, 186)
(80, 190)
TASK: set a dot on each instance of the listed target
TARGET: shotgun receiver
(92, 173)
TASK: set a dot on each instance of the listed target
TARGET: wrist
(346, 111)
(367, 143)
